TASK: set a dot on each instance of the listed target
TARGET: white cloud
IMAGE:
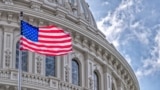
(105, 3)
(115, 24)
(143, 36)
(125, 4)
(115, 27)
(141, 32)
(152, 63)
(127, 57)
(135, 25)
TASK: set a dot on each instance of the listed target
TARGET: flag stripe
(62, 36)
(52, 28)
(55, 50)
(47, 41)
(45, 44)
(52, 34)
(55, 30)
(51, 40)
(46, 53)
(55, 39)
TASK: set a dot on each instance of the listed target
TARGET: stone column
(30, 62)
(62, 71)
(58, 67)
(1, 44)
(69, 66)
(107, 78)
(7, 49)
(105, 81)
(78, 8)
(119, 85)
(88, 71)
(65, 71)
(39, 64)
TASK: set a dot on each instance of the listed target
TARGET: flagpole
(20, 58)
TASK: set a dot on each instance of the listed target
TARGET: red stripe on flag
(59, 43)
(56, 50)
(62, 36)
(49, 45)
(49, 41)
(46, 53)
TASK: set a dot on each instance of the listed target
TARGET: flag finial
(21, 15)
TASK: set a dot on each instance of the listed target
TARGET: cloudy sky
(133, 26)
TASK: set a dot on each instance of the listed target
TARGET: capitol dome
(94, 63)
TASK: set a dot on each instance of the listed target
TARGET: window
(50, 65)
(75, 73)
(96, 81)
(24, 58)
(73, 1)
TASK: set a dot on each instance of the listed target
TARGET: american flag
(49, 40)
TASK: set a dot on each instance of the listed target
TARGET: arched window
(24, 58)
(75, 72)
(96, 81)
(50, 66)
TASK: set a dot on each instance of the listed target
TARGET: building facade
(94, 63)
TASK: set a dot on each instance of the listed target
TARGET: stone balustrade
(29, 79)
(5, 74)
(36, 80)
(68, 86)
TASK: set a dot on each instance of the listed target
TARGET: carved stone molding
(92, 46)
(95, 67)
(77, 38)
(85, 42)
(104, 55)
(99, 51)
(111, 60)
(9, 2)
(67, 70)
(31, 20)
(7, 58)
(91, 82)
(67, 6)
(41, 22)
(115, 64)
(77, 54)
(10, 17)
(36, 6)
(39, 64)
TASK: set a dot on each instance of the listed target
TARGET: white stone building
(94, 63)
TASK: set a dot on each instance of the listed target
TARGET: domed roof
(74, 10)
(79, 9)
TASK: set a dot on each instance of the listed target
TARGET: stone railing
(10, 76)
(49, 83)
(68, 86)
(5, 74)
